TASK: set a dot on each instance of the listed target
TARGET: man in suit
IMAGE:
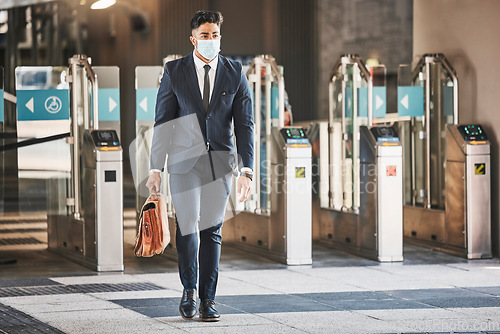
(200, 97)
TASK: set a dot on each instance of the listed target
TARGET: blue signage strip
(1, 106)
(109, 104)
(42, 105)
(145, 103)
(411, 101)
(275, 102)
(378, 101)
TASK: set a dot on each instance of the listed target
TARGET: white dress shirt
(200, 72)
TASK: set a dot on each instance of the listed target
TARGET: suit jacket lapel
(192, 81)
(220, 77)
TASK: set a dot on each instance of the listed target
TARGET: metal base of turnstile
(250, 232)
(65, 235)
(427, 227)
(346, 231)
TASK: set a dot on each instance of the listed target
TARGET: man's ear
(192, 39)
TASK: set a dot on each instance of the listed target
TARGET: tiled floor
(340, 293)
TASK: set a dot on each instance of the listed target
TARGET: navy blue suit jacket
(179, 99)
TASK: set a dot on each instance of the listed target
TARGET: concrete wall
(370, 28)
(467, 33)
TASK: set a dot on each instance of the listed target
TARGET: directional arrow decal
(404, 101)
(411, 101)
(378, 102)
(144, 104)
(112, 104)
(30, 105)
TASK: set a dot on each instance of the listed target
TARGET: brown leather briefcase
(153, 235)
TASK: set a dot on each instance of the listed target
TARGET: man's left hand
(243, 188)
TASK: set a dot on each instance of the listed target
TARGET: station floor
(430, 292)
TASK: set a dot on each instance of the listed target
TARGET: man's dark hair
(204, 16)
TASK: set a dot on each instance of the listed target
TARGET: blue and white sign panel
(145, 100)
(411, 101)
(42, 105)
(1, 106)
(109, 104)
(378, 100)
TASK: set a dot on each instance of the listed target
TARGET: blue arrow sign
(145, 103)
(109, 104)
(1, 106)
(378, 102)
(42, 105)
(411, 101)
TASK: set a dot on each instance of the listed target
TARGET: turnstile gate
(447, 205)
(358, 177)
(276, 220)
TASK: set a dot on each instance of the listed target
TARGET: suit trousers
(200, 205)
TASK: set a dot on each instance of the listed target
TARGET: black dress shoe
(187, 307)
(208, 311)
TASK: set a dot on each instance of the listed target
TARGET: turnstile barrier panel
(147, 82)
(426, 162)
(348, 82)
(268, 102)
(43, 110)
(108, 97)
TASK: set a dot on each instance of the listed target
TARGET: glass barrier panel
(42, 111)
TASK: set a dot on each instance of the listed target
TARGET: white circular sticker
(53, 104)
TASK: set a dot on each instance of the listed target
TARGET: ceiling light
(102, 4)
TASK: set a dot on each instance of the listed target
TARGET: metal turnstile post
(381, 193)
(468, 191)
(290, 232)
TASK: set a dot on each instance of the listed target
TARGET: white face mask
(209, 48)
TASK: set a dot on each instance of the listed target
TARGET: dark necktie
(206, 87)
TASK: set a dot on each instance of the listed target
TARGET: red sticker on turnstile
(390, 171)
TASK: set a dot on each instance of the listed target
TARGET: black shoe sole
(209, 319)
(186, 318)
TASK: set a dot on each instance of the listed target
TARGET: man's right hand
(153, 183)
